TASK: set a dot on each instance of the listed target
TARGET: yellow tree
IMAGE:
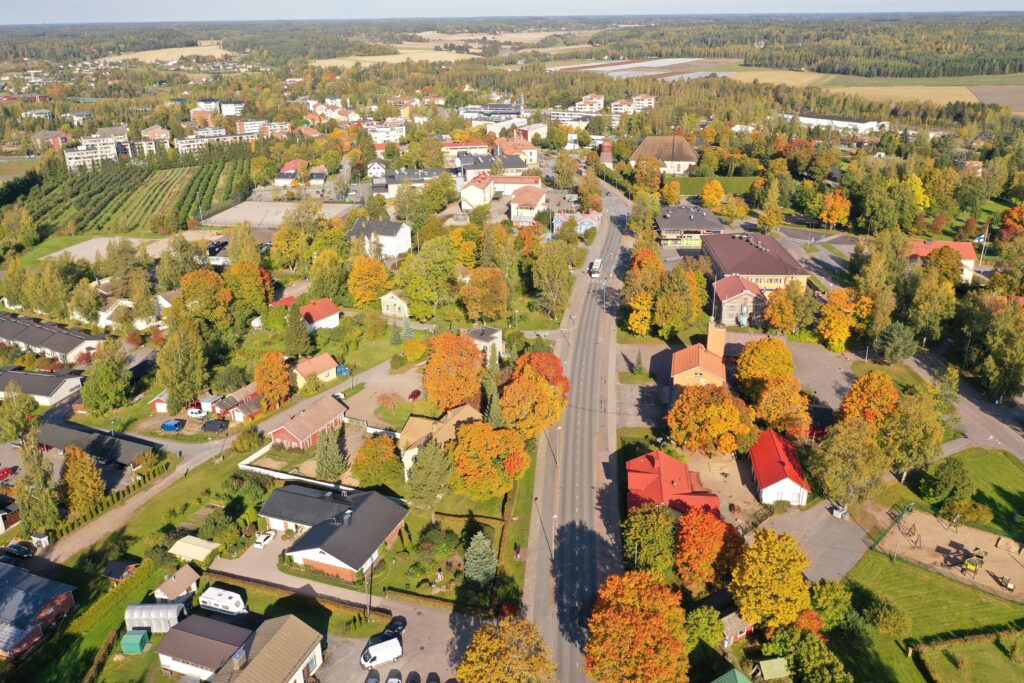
(530, 403)
(841, 315)
(782, 406)
(836, 208)
(509, 651)
(781, 312)
(672, 193)
(639, 322)
(872, 398)
(768, 582)
(710, 419)
(647, 175)
(760, 361)
(83, 484)
(367, 280)
(712, 194)
(272, 379)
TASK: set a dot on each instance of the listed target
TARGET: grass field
(168, 54)
(987, 662)
(692, 185)
(414, 51)
(904, 376)
(937, 94)
(9, 168)
(1000, 480)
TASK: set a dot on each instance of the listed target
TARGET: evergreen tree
(330, 463)
(296, 333)
(109, 383)
(35, 491)
(492, 410)
(430, 478)
(82, 482)
(407, 332)
(638, 365)
(396, 335)
(481, 560)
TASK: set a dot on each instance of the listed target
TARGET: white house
(394, 306)
(46, 388)
(388, 239)
(526, 203)
(777, 470)
(675, 153)
(485, 187)
(843, 123)
(376, 170)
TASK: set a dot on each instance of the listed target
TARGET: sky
(77, 11)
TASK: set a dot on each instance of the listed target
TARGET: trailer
(223, 601)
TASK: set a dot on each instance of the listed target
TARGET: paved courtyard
(833, 546)
(825, 375)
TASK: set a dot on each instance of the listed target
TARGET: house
(384, 239)
(584, 221)
(777, 470)
(526, 203)
(394, 306)
(470, 166)
(738, 301)
(452, 150)
(10, 514)
(605, 156)
(156, 133)
(30, 606)
(758, 258)
(842, 123)
(774, 669)
(217, 253)
(734, 628)
(165, 301)
(418, 430)
(155, 618)
(675, 153)
(321, 367)
(304, 428)
(341, 531)
(485, 187)
(122, 450)
(392, 180)
(697, 366)
(120, 569)
(289, 173)
(661, 479)
(179, 586)
(197, 647)
(531, 132)
(685, 226)
(66, 344)
(54, 139)
(240, 404)
(921, 249)
(158, 404)
(232, 108)
(732, 676)
(517, 147)
(282, 650)
(192, 549)
(201, 117)
(376, 170)
(321, 314)
(488, 340)
(47, 388)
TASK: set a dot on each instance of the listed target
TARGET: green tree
(1003, 365)
(297, 341)
(243, 246)
(481, 560)
(430, 478)
(849, 464)
(34, 491)
(109, 382)
(933, 304)
(82, 482)
(15, 412)
(832, 601)
(551, 277)
(330, 463)
(328, 276)
(809, 657)
(86, 301)
(898, 342)
(180, 258)
(565, 171)
(648, 538)
(703, 625)
(181, 366)
(912, 434)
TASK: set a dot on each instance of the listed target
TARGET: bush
(887, 617)
(248, 441)
(967, 511)
(589, 235)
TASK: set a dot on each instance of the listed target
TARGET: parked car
(196, 413)
(19, 550)
(383, 652)
(372, 677)
(8, 559)
(416, 393)
(214, 426)
(394, 676)
(6, 472)
(263, 539)
(394, 627)
(173, 425)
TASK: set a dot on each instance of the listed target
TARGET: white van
(381, 653)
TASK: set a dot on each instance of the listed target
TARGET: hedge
(99, 609)
(66, 527)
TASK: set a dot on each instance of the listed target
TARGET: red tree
(548, 365)
(1013, 222)
(707, 548)
(452, 375)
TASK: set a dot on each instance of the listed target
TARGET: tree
(832, 601)
(481, 560)
(735, 209)
(871, 398)
(784, 407)
(672, 193)
(791, 307)
(243, 246)
(836, 209)
(181, 366)
(86, 301)
(486, 294)
(452, 375)
(565, 171)
(427, 279)
(897, 343)
(946, 262)
(912, 434)
(1003, 365)
(487, 461)
(15, 412)
(772, 215)
(768, 583)
(1011, 222)
(251, 290)
(377, 462)
(710, 419)
(367, 280)
(843, 313)
(809, 657)
(430, 478)
(648, 534)
(327, 276)
(647, 175)
(109, 383)
(206, 300)
(887, 617)
(82, 482)
(272, 379)
(703, 625)
(178, 259)
(530, 403)
(707, 549)
(644, 275)
(637, 632)
(933, 304)
(330, 464)
(509, 651)
(641, 306)
(296, 333)
(548, 365)
(712, 194)
(34, 490)
(761, 360)
(551, 276)
(849, 463)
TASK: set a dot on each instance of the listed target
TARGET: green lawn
(904, 377)
(985, 662)
(32, 257)
(692, 185)
(397, 416)
(135, 668)
(291, 458)
(626, 377)
(811, 248)
(518, 531)
(11, 168)
(1000, 480)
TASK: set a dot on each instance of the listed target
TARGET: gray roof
(478, 162)
(23, 595)
(749, 254)
(484, 333)
(36, 383)
(100, 445)
(202, 641)
(684, 218)
(40, 334)
(364, 227)
(414, 176)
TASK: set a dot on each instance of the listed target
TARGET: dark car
(394, 627)
(19, 550)
(214, 426)
(173, 425)
(8, 559)
(415, 394)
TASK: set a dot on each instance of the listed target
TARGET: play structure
(974, 562)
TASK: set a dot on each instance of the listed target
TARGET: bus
(595, 268)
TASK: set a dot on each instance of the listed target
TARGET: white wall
(184, 669)
(785, 490)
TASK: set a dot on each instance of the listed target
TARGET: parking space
(832, 545)
(824, 375)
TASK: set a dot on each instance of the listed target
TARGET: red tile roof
(733, 285)
(922, 248)
(315, 365)
(697, 356)
(286, 301)
(316, 311)
(529, 196)
(294, 165)
(659, 478)
(774, 460)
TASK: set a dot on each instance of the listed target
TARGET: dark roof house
(100, 445)
(201, 642)
(29, 604)
(366, 228)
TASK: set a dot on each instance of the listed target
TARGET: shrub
(887, 617)
(248, 441)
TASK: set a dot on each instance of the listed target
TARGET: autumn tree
(81, 481)
(511, 650)
(784, 407)
(933, 303)
(287, 247)
(242, 246)
(712, 194)
(761, 360)
(377, 462)
(871, 398)
(648, 535)
(34, 490)
(843, 313)
(530, 403)
(637, 632)
(15, 412)
(548, 365)
(272, 379)
(367, 280)
(647, 175)
(251, 291)
(430, 478)
(1012, 222)
(109, 383)
(86, 301)
(486, 294)
(181, 366)
(644, 275)
(735, 209)
(330, 463)
(768, 583)
(849, 463)
(672, 193)
(641, 307)
(452, 375)
(707, 549)
(487, 461)
(836, 209)
(791, 307)
(1003, 364)
(205, 299)
(913, 433)
(710, 419)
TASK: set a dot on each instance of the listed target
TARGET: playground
(987, 561)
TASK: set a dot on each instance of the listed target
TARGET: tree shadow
(583, 559)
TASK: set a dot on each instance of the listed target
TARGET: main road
(573, 535)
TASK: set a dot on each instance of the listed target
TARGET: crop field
(155, 196)
(1010, 95)
(9, 168)
(668, 69)
(169, 54)
(524, 37)
(414, 51)
(798, 79)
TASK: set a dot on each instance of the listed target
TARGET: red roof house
(659, 478)
(777, 470)
(921, 249)
(321, 313)
(696, 366)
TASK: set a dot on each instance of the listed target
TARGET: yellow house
(323, 367)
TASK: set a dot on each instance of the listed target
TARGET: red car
(416, 393)
(6, 472)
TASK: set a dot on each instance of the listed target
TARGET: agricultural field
(170, 54)
(154, 197)
(668, 69)
(1010, 95)
(414, 51)
(10, 168)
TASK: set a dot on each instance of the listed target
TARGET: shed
(134, 642)
(772, 669)
(156, 618)
(192, 548)
(733, 676)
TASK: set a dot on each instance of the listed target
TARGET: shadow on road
(582, 560)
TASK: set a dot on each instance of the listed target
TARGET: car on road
(214, 426)
(196, 413)
(264, 539)
(381, 652)
(20, 550)
(7, 472)
(415, 394)
(395, 627)
(173, 425)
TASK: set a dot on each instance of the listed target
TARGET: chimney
(716, 338)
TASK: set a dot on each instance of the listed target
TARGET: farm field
(525, 37)
(169, 54)
(155, 196)
(938, 94)
(10, 168)
(669, 69)
(1010, 95)
(414, 51)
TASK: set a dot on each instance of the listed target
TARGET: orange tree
(835, 208)
(1012, 223)
(841, 315)
(768, 582)
(367, 280)
(377, 462)
(486, 294)
(530, 403)
(761, 360)
(707, 548)
(647, 174)
(712, 420)
(487, 460)
(784, 407)
(452, 375)
(271, 375)
(872, 398)
(548, 365)
(644, 275)
(637, 632)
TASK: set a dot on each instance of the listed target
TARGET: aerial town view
(560, 343)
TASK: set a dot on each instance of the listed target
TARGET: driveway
(825, 375)
(832, 545)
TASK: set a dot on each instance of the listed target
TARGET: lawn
(32, 257)
(288, 458)
(626, 377)
(986, 662)
(135, 668)
(692, 185)
(122, 419)
(11, 168)
(902, 375)
(396, 416)
(834, 250)
(1000, 480)
(517, 533)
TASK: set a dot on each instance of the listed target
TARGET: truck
(595, 268)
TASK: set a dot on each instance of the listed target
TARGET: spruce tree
(35, 491)
(492, 410)
(296, 334)
(396, 335)
(330, 463)
(481, 560)
(407, 332)
(430, 478)
(638, 365)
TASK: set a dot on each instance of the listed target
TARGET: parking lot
(832, 545)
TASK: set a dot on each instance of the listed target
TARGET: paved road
(572, 548)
